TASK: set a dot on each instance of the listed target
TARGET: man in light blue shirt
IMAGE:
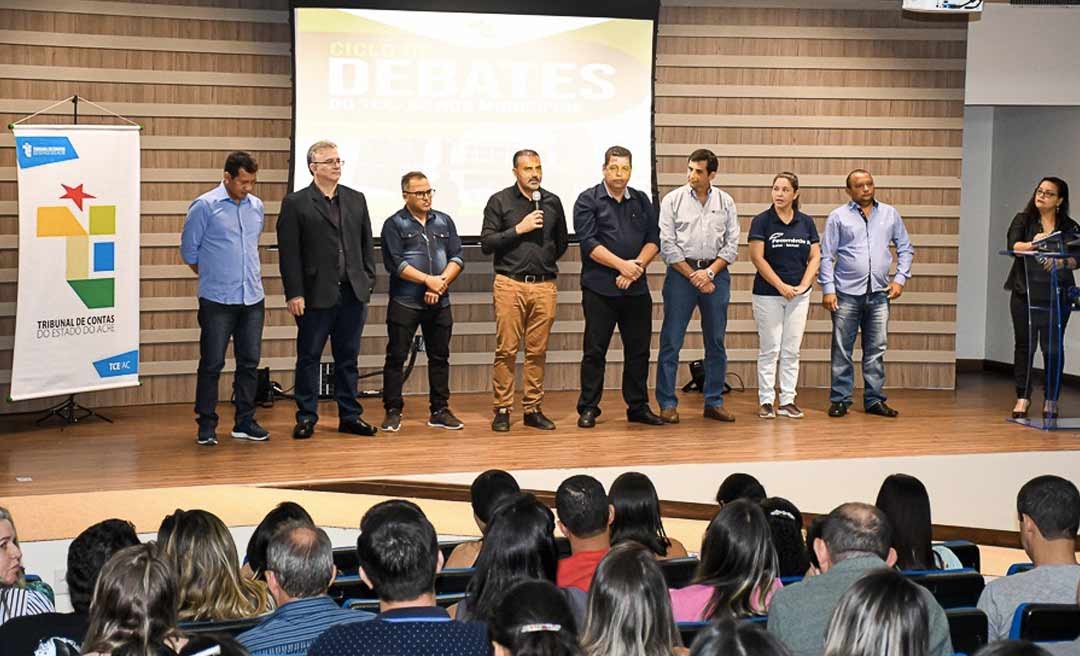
(699, 240)
(299, 571)
(854, 278)
(220, 243)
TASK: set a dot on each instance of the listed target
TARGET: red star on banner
(76, 194)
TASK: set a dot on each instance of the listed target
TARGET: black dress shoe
(644, 416)
(882, 410)
(303, 430)
(837, 409)
(357, 427)
(587, 419)
(538, 420)
(501, 422)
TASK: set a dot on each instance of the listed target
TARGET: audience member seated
(740, 486)
(813, 532)
(399, 557)
(882, 614)
(786, 527)
(534, 620)
(299, 571)
(906, 503)
(16, 600)
(134, 606)
(585, 517)
(48, 633)
(855, 542)
(487, 491)
(255, 557)
(519, 545)
(203, 554)
(205, 644)
(737, 574)
(1071, 648)
(1012, 648)
(629, 610)
(728, 637)
(637, 516)
(1049, 510)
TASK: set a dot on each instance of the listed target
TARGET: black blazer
(1024, 229)
(308, 247)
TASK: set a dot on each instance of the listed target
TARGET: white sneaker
(790, 410)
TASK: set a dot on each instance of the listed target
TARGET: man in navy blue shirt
(399, 557)
(619, 234)
(220, 243)
(422, 252)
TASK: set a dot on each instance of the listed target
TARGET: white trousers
(780, 327)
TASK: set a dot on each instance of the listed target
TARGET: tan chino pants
(523, 310)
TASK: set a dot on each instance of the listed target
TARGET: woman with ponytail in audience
(786, 526)
(637, 516)
(534, 620)
(16, 600)
(882, 614)
(629, 609)
(133, 612)
(786, 251)
(738, 573)
(201, 550)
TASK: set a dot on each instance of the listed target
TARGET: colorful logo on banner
(38, 151)
(91, 259)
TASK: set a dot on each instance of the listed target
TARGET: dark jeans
(1023, 356)
(869, 313)
(436, 323)
(219, 322)
(343, 324)
(633, 316)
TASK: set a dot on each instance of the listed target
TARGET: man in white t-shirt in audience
(1049, 510)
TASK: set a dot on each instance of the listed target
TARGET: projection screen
(455, 94)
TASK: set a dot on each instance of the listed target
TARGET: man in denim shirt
(854, 277)
(220, 242)
(422, 252)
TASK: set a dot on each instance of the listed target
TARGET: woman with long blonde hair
(203, 553)
(16, 600)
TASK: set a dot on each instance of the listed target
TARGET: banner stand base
(70, 412)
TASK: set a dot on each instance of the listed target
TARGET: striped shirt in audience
(17, 602)
(291, 629)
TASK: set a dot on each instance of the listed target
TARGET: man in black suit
(327, 261)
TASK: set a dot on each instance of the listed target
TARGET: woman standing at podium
(1046, 212)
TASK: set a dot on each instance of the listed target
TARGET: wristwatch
(709, 272)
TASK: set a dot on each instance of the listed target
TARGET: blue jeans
(680, 299)
(218, 322)
(870, 312)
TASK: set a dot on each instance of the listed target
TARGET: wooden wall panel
(815, 90)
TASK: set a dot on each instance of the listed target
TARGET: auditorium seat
(352, 592)
(788, 580)
(347, 564)
(562, 545)
(678, 572)
(230, 627)
(958, 588)
(1019, 568)
(966, 551)
(1046, 622)
(968, 628)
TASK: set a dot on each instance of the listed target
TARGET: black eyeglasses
(332, 162)
(426, 193)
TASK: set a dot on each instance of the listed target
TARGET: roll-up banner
(77, 318)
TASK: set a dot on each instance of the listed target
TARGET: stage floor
(154, 446)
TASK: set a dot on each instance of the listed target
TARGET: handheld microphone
(536, 200)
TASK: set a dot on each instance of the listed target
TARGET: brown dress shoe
(719, 413)
(669, 415)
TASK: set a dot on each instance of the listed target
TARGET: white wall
(1028, 143)
(1023, 55)
(975, 180)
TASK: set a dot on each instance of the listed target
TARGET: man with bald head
(854, 542)
(299, 571)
